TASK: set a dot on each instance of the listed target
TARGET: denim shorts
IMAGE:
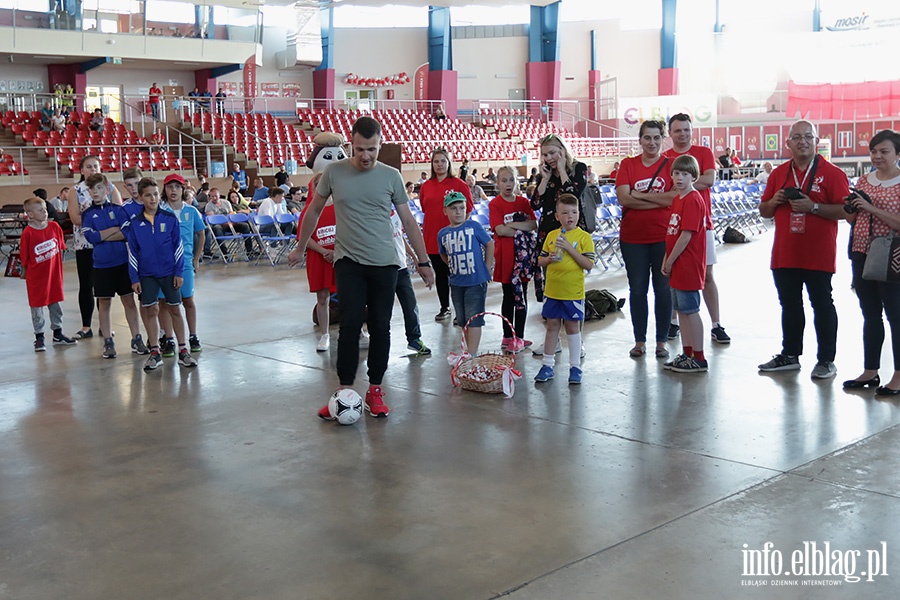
(687, 303)
(187, 288)
(152, 286)
(468, 300)
(567, 310)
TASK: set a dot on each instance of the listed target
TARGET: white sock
(574, 349)
(549, 360)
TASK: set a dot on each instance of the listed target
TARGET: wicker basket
(462, 374)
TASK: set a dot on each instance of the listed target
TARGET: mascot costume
(329, 149)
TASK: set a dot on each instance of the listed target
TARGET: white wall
(35, 75)
(485, 65)
(378, 53)
(632, 57)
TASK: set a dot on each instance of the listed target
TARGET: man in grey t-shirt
(365, 259)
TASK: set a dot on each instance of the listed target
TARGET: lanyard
(800, 184)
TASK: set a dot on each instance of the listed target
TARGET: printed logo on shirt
(644, 185)
(816, 186)
(674, 224)
(162, 227)
(325, 236)
(45, 251)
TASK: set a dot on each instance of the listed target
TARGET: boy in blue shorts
(568, 253)
(685, 263)
(156, 263)
(101, 224)
(468, 251)
(192, 238)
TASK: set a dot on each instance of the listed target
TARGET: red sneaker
(325, 414)
(375, 403)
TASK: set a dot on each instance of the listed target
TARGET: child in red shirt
(685, 263)
(41, 249)
(510, 213)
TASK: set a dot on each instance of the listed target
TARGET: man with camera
(805, 196)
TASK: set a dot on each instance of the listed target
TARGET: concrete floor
(220, 483)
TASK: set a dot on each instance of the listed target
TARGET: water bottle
(560, 253)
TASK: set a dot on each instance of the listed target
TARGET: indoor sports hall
(219, 481)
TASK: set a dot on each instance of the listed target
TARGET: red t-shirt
(154, 95)
(41, 253)
(431, 199)
(501, 213)
(689, 269)
(816, 247)
(320, 272)
(707, 162)
(644, 226)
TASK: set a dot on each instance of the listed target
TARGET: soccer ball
(345, 406)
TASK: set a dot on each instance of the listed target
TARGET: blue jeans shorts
(187, 288)
(687, 303)
(151, 287)
(468, 300)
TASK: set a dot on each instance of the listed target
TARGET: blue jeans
(468, 300)
(643, 262)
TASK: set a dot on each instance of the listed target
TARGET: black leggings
(515, 315)
(441, 279)
(84, 262)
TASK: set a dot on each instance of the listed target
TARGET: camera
(792, 193)
(855, 193)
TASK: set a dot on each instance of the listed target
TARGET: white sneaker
(324, 343)
(363, 340)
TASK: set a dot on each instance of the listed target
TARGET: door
(170, 94)
(107, 98)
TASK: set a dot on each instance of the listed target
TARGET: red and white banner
(421, 82)
(269, 90)
(290, 90)
(249, 83)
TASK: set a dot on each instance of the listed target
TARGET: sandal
(637, 351)
(662, 353)
(83, 335)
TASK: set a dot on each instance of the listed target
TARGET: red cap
(176, 178)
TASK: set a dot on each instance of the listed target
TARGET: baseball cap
(453, 198)
(176, 178)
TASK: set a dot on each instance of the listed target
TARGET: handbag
(883, 258)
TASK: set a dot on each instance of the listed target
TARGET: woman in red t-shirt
(880, 218)
(510, 213)
(431, 199)
(643, 188)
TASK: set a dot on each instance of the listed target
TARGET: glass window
(464, 16)
(383, 16)
(170, 12)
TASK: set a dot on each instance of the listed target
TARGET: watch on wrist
(815, 208)
(423, 264)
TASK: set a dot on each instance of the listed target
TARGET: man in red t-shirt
(681, 132)
(805, 196)
(153, 101)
